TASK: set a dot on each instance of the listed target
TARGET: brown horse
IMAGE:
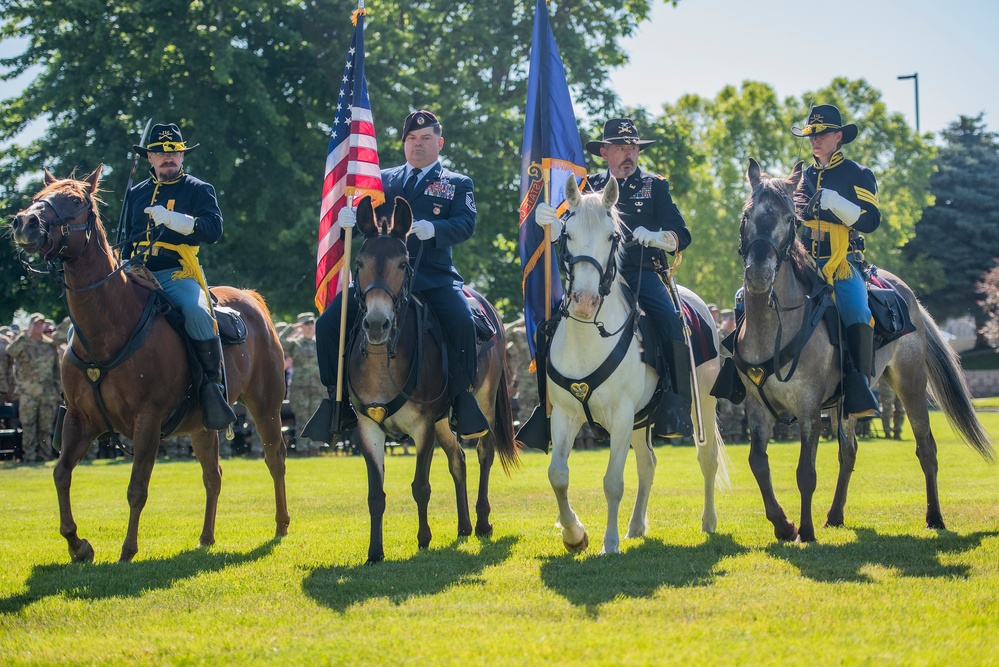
(141, 392)
(398, 387)
(775, 268)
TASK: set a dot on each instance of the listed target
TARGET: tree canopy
(957, 239)
(254, 83)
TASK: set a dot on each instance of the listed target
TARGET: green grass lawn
(883, 590)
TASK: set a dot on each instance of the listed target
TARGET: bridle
(400, 300)
(55, 257)
(783, 251)
(607, 272)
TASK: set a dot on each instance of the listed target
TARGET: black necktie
(410, 186)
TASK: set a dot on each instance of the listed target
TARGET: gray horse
(776, 267)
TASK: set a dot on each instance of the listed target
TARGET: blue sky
(700, 46)
(703, 45)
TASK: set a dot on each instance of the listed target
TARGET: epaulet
(658, 176)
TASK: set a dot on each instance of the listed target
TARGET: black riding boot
(858, 399)
(331, 420)
(216, 413)
(469, 421)
(672, 418)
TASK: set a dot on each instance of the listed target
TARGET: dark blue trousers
(654, 299)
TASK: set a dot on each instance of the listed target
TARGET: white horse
(578, 349)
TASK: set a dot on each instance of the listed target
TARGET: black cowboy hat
(825, 118)
(419, 120)
(618, 131)
(164, 139)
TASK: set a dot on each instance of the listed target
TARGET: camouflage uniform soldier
(892, 411)
(37, 381)
(6, 365)
(307, 390)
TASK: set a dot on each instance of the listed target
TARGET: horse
(777, 269)
(581, 344)
(397, 386)
(139, 370)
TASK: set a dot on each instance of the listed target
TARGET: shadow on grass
(638, 572)
(908, 555)
(90, 581)
(428, 572)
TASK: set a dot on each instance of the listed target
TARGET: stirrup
(536, 432)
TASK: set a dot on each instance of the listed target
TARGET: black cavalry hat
(618, 131)
(825, 118)
(419, 120)
(164, 139)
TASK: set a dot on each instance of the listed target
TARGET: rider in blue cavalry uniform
(184, 212)
(840, 202)
(443, 205)
(654, 222)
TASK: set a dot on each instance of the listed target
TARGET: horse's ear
(49, 178)
(93, 178)
(402, 219)
(794, 180)
(572, 191)
(754, 173)
(610, 194)
(366, 218)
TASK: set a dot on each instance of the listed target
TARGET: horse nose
(585, 299)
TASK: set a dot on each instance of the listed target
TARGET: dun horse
(776, 265)
(398, 388)
(141, 382)
(579, 349)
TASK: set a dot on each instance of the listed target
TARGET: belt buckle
(155, 251)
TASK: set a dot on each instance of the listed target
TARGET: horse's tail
(949, 388)
(509, 452)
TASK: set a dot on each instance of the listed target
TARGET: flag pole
(345, 294)
(547, 175)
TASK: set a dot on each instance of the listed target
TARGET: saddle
(891, 321)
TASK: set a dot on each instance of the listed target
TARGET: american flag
(351, 166)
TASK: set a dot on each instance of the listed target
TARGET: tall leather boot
(672, 419)
(467, 420)
(536, 432)
(216, 413)
(331, 420)
(858, 399)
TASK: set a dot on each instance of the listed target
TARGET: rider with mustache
(179, 213)
(655, 224)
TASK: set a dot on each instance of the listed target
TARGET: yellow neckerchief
(837, 268)
(189, 266)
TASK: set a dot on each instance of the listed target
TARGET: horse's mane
(70, 186)
(618, 224)
(774, 186)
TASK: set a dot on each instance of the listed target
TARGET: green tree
(254, 83)
(958, 233)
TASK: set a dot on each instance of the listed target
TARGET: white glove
(546, 216)
(346, 218)
(844, 209)
(664, 240)
(178, 222)
(424, 229)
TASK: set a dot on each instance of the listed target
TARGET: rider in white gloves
(168, 216)
(847, 195)
(347, 217)
(178, 222)
(546, 216)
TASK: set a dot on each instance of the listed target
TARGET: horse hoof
(282, 531)
(83, 554)
(789, 535)
(805, 536)
(936, 524)
(484, 530)
(834, 522)
(374, 560)
(579, 546)
(464, 532)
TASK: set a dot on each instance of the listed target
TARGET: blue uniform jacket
(853, 181)
(184, 194)
(445, 199)
(644, 201)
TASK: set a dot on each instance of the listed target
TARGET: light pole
(915, 77)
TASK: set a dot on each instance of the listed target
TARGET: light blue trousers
(192, 301)
(851, 296)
